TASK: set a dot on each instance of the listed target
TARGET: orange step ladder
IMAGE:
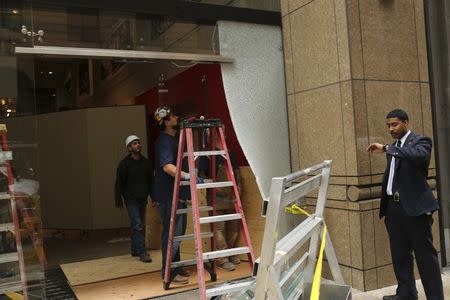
(17, 205)
(205, 260)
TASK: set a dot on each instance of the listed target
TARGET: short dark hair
(398, 113)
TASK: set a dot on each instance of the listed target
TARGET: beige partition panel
(75, 155)
(107, 129)
(64, 170)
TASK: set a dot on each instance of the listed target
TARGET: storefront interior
(76, 80)
(84, 110)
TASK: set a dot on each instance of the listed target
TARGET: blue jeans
(165, 210)
(136, 213)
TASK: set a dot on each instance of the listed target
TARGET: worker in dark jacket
(133, 186)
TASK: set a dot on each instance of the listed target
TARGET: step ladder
(205, 260)
(277, 277)
(17, 205)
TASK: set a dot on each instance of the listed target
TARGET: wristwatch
(385, 147)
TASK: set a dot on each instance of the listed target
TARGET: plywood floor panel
(108, 268)
(148, 285)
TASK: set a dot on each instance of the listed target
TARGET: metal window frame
(124, 54)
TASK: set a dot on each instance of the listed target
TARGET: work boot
(144, 257)
(235, 259)
(180, 280)
(226, 266)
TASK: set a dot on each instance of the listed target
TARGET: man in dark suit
(407, 204)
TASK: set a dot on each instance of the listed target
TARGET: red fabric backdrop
(196, 91)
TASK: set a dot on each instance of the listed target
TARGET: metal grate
(56, 285)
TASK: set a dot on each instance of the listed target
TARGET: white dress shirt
(392, 166)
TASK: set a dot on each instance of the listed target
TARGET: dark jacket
(410, 179)
(133, 180)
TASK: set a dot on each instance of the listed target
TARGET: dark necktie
(394, 182)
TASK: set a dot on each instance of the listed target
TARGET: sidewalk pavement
(378, 294)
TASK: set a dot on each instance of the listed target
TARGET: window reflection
(99, 28)
(271, 5)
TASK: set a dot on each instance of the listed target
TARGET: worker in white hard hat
(166, 149)
(133, 185)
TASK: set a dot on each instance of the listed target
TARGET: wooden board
(97, 270)
(251, 203)
(148, 285)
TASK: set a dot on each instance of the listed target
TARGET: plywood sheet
(97, 270)
(153, 227)
(148, 285)
(251, 203)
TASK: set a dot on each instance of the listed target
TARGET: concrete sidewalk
(378, 294)
(356, 294)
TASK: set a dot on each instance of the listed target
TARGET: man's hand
(375, 148)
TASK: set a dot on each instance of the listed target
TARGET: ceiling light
(15, 12)
(8, 110)
(50, 72)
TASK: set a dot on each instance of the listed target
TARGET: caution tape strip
(14, 296)
(315, 289)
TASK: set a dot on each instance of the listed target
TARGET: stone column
(348, 63)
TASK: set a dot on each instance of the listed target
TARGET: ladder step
(212, 185)
(225, 253)
(192, 236)
(5, 196)
(211, 255)
(220, 218)
(9, 257)
(208, 185)
(183, 263)
(206, 153)
(230, 288)
(189, 209)
(7, 227)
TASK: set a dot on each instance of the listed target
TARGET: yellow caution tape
(14, 295)
(315, 289)
(297, 210)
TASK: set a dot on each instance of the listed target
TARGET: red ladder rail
(205, 260)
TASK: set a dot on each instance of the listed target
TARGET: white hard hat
(130, 139)
(161, 113)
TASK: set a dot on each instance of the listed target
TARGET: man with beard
(407, 205)
(166, 160)
(133, 184)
